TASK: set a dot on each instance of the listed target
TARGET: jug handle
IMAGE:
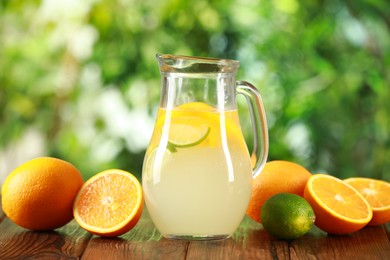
(259, 124)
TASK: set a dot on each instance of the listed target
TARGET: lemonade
(197, 173)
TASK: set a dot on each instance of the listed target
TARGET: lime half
(187, 135)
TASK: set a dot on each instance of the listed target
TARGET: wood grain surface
(250, 241)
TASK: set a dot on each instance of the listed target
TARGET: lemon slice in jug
(187, 135)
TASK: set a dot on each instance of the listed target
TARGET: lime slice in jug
(187, 135)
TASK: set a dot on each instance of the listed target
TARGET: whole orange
(39, 194)
(276, 177)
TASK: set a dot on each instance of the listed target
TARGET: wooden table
(250, 241)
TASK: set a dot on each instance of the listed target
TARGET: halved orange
(109, 204)
(377, 194)
(339, 208)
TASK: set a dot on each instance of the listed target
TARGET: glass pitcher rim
(172, 63)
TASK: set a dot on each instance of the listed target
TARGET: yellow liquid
(201, 190)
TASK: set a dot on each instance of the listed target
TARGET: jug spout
(188, 64)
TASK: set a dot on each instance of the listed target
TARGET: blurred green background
(79, 79)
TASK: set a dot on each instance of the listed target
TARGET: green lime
(187, 135)
(287, 216)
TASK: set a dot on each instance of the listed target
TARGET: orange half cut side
(339, 208)
(109, 203)
(377, 194)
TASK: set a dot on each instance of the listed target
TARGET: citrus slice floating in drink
(377, 194)
(196, 106)
(339, 208)
(109, 204)
(187, 135)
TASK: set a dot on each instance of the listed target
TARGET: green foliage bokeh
(82, 76)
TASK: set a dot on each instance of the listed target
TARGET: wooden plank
(2, 214)
(142, 242)
(368, 243)
(67, 242)
(250, 241)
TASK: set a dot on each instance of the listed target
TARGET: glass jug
(197, 172)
